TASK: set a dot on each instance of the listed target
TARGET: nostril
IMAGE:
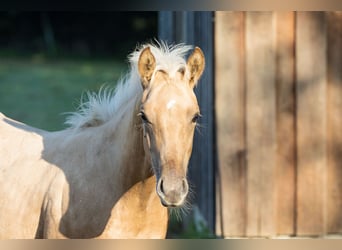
(161, 187)
(185, 186)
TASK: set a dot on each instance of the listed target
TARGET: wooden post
(311, 122)
(286, 134)
(230, 123)
(334, 124)
(261, 123)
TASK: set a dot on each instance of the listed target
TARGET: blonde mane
(98, 108)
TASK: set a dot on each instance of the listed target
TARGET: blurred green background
(48, 59)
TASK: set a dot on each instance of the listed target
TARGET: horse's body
(107, 175)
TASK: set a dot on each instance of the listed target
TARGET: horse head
(169, 112)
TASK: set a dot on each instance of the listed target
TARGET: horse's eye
(196, 117)
(143, 117)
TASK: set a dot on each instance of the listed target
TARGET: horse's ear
(146, 66)
(196, 64)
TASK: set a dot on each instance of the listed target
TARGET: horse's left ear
(196, 64)
(146, 66)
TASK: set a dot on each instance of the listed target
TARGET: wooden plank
(334, 124)
(311, 122)
(285, 108)
(230, 124)
(261, 123)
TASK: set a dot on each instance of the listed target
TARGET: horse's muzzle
(172, 191)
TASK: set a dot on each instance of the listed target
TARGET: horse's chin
(174, 204)
(171, 205)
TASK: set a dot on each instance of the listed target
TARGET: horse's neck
(138, 213)
(127, 146)
(112, 157)
(114, 149)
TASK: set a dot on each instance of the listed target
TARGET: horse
(120, 164)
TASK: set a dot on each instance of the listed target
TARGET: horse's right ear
(146, 66)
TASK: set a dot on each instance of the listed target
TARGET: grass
(36, 90)
(191, 225)
(177, 230)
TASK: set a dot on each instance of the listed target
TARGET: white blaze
(170, 104)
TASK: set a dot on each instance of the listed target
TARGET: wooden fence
(276, 82)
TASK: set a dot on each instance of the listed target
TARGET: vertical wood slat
(165, 26)
(334, 123)
(285, 108)
(202, 163)
(261, 123)
(230, 121)
(311, 122)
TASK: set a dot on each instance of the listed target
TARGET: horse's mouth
(172, 201)
(171, 205)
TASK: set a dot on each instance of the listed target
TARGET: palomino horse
(117, 167)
